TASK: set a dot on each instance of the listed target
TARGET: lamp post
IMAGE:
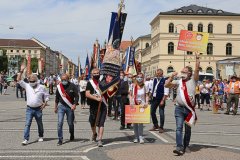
(176, 32)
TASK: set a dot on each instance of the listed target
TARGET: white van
(203, 76)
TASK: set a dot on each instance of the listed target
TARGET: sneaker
(100, 144)
(122, 127)
(178, 152)
(154, 128)
(135, 140)
(227, 113)
(94, 137)
(187, 150)
(71, 137)
(161, 130)
(40, 139)
(59, 142)
(25, 142)
(141, 140)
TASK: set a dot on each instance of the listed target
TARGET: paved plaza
(215, 137)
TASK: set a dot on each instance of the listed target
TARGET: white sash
(62, 94)
(191, 121)
(97, 91)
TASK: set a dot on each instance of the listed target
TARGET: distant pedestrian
(82, 89)
(38, 98)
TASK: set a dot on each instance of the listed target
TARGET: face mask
(183, 75)
(130, 80)
(64, 82)
(33, 84)
(96, 77)
(126, 78)
(139, 79)
(121, 77)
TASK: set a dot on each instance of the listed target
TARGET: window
(210, 28)
(189, 11)
(35, 51)
(209, 70)
(209, 11)
(200, 27)
(200, 69)
(200, 11)
(180, 11)
(170, 48)
(210, 49)
(147, 45)
(17, 51)
(190, 26)
(23, 51)
(29, 51)
(229, 49)
(11, 50)
(229, 29)
(171, 28)
(219, 11)
(189, 53)
(170, 69)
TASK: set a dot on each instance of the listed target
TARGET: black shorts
(205, 97)
(102, 115)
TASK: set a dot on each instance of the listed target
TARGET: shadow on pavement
(77, 140)
(197, 148)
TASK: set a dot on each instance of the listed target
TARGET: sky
(72, 26)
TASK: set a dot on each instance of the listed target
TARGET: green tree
(3, 61)
(34, 64)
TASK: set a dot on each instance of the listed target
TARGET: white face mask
(183, 75)
(125, 78)
(33, 84)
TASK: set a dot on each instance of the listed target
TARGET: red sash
(66, 98)
(191, 117)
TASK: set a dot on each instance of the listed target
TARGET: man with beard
(184, 107)
(35, 104)
(95, 100)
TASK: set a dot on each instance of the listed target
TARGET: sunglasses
(32, 81)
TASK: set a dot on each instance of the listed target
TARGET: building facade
(224, 38)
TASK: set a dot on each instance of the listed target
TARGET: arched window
(209, 70)
(200, 27)
(147, 45)
(229, 29)
(190, 26)
(170, 48)
(200, 69)
(229, 49)
(171, 28)
(170, 69)
(210, 28)
(200, 11)
(189, 11)
(209, 11)
(210, 49)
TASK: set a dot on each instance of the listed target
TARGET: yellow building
(224, 39)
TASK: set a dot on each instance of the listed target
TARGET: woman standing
(82, 87)
(139, 96)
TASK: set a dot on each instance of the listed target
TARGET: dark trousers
(1, 87)
(50, 88)
(117, 102)
(197, 99)
(125, 101)
(154, 106)
(83, 98)
(232, 98)
(110, 102)
(19, 88)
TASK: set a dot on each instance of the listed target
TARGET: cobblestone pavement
(215, 136)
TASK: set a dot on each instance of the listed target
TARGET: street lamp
(176, 32)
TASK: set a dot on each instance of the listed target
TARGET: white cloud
(72, 26)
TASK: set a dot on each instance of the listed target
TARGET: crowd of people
(185, 89)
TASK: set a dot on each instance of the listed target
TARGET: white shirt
(147, 84)
(205, 88)
(35, 96)
(82, 85)
(74, 81)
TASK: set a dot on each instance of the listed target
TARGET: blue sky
(72, 26)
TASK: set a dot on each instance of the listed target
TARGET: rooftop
(18, 42)
(198, 10)
(124, 45)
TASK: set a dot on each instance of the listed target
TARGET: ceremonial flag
(29, 64)
(130, 63)
(111, 66)
(87, 70)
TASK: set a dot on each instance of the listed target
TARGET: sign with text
(137, 114)
(193, 41)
